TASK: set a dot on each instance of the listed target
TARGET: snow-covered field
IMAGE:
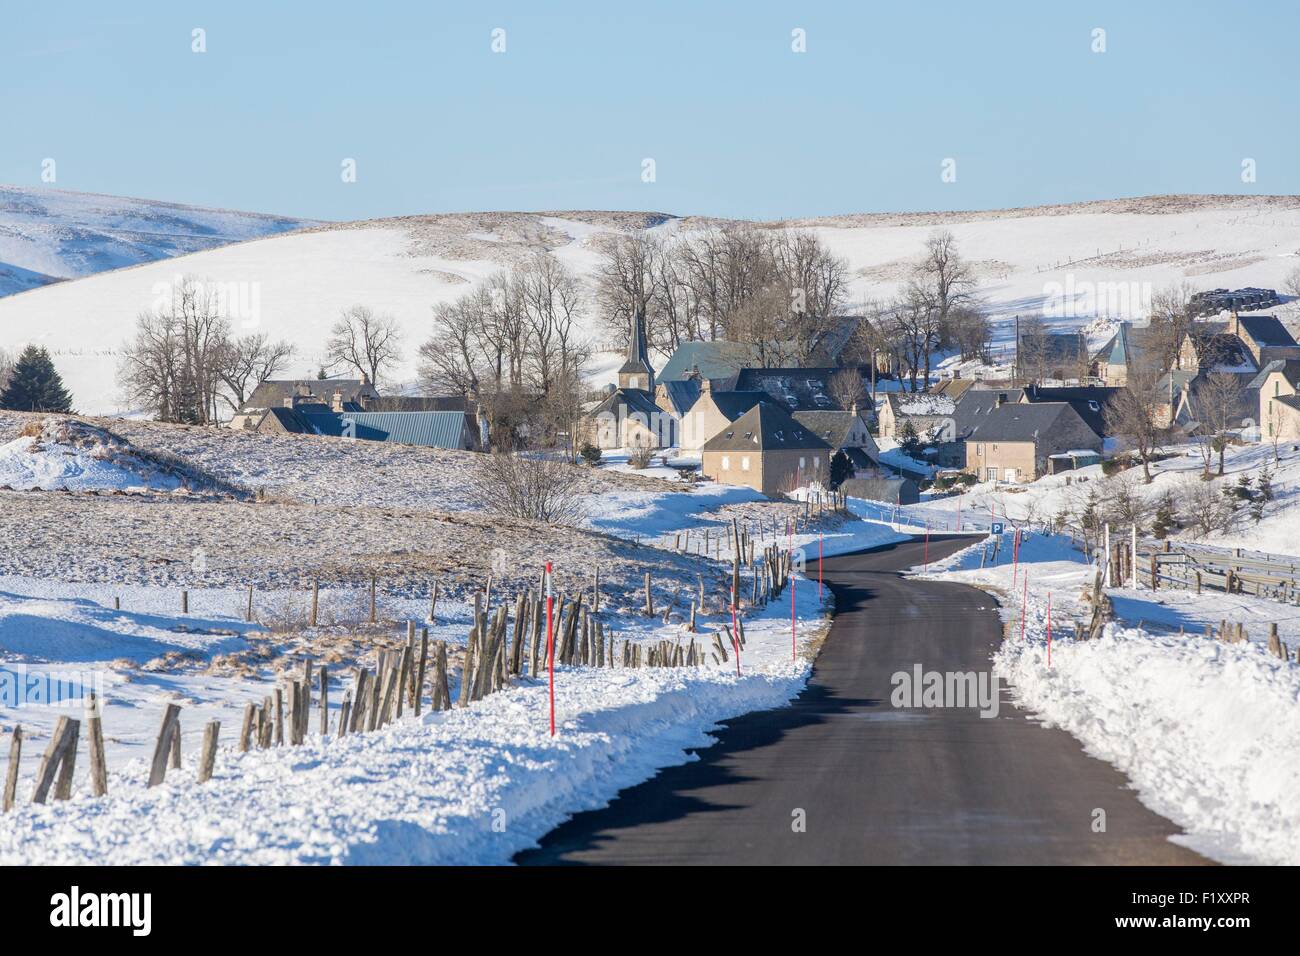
(89, 601)
(1084, 265)
(1204, 730)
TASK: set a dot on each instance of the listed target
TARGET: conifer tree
(35, 385)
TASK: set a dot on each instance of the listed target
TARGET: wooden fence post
(11, 773)
(246, 728)
(315, 600)
(248, 612)
(67, 762)
(208, 756)
(95, 742)
(279, 717)
(324, 700)
(185, 602)
(50, 762)
(372, 599)
(162, 748)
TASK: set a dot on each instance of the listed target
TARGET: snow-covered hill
(1081, 263)
(47, 235)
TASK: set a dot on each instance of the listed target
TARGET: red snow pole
(550, 643)
(959, 514)
(819, 565)
(1049, 628)
(794, 655)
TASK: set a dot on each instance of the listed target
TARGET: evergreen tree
(909, 441)
(1166, 519)
(841, 469)
(1265, 485)
(35, 385)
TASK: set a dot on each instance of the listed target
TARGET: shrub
(590, 454)
(539, 489)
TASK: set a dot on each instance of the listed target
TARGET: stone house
(712, 412)
(767, 450)
(1016, 441)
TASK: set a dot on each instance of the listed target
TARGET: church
(629, 417)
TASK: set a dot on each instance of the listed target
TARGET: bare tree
(532, 487)
(626, 281)
(6, 368)
(247, 362)
(1213, 401)
(1291, 284)
(940, 282)
(1204, 509)
(1138, 413)
(450, 362)
(171, 366)
(845, 387)
(368, 342)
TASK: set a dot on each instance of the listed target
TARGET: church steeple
(637, 371)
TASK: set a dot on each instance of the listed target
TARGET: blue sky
(736, 122)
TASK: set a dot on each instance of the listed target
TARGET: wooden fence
(499, 650)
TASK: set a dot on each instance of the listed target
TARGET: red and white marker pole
(550, 642)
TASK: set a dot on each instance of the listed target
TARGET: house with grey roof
(767, 450)
(713, 411)
(845, 431)
(815, 388)
(1016, 441)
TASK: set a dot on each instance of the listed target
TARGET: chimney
(1001, 399)
(336, 403)
(706, 386)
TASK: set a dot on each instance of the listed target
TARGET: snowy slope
(47, 234)
(1085, 261)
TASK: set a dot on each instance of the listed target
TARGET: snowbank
(472, 785)
(64, 454)
(1205, 731)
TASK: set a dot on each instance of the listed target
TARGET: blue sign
(997, 528)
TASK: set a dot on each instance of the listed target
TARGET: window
(726, 463)
(991, 474)
(802, 462)
(744, 463)
(979, 449)
(817, 462)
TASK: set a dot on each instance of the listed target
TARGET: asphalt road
(877, 784)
